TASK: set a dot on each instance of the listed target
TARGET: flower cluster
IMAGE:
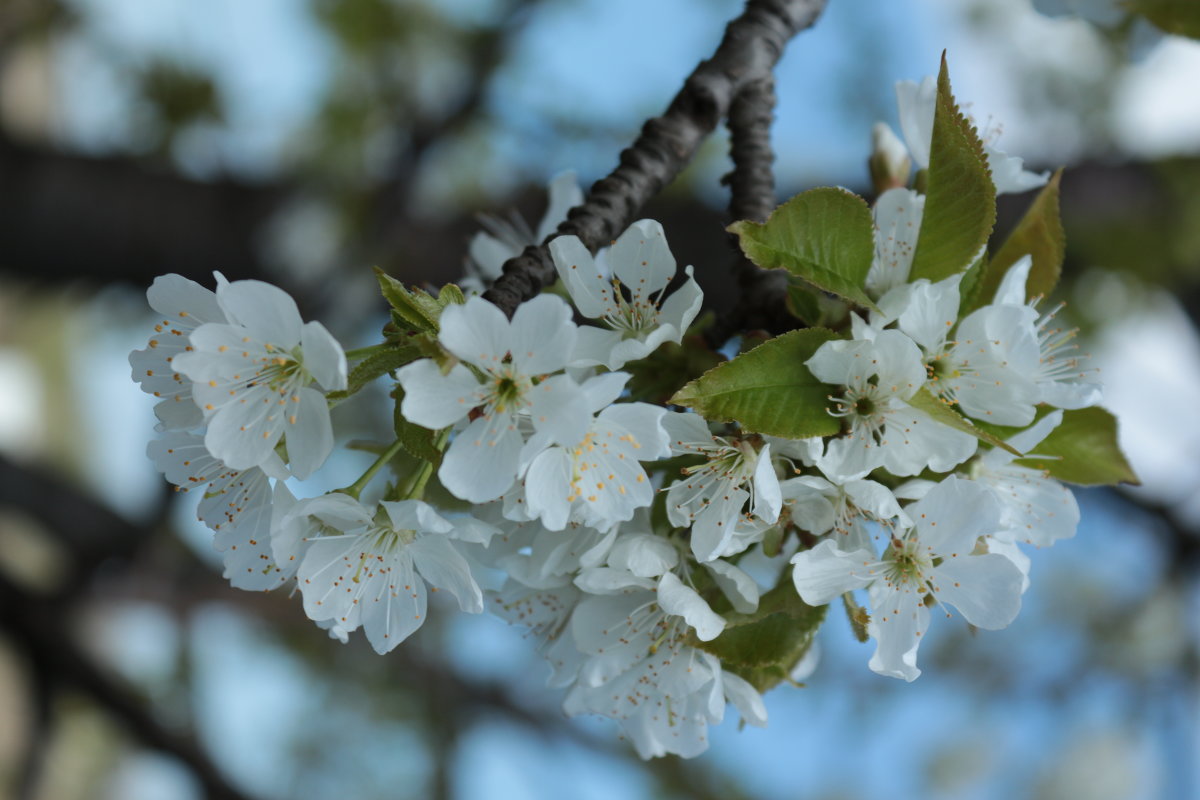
(668, 533)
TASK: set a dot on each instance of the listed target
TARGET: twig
(748, 52)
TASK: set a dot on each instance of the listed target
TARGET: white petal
(716, 524)
(548, 488)
(590, 291)
(1012, 286)
(739, 587)
(607, 580)
(323, 357)
(986, 589)
(641, 259)
(434, 400)
(953, 515)
(309, 433)
(244, 432)
(476, 332)
(897, 220)
(913, 440)
(594, 346)
(768, 499)
(559, 408)
(680, 309)
(643, 424)
(824, 572)
(745, 699)
(643, 555)
(481, 463)
(542, 335)
(1009, 173)
(267, 312)
(176, 297)
(603, 390)
(932, 311)
(444, 568)
(899, 621)
(683, 601)
(393, 605)
(488, 254)
(416, 515)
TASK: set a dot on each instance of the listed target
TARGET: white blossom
(641, 262)
(368, 567)
(935, 558)
(879, 377)
(897, 220)
(507, 389)
(254, 379)
(736, 486)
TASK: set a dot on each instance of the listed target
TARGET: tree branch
(748, 52)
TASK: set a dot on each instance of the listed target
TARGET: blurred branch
(102, 220)
(748, 52)
(1181, 542)
(40, 626)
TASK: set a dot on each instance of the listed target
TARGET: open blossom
(184, 306)
(508, 392)
(368, 567)
(640, 670)
(1061, 377)
(735, 487)
(879, 377)
(640, 322)
(254, 379)
(598, 480)
(505, 239)
(934, 558)
(841, 510)
(986, 364)
(235, 504)
(917, 104)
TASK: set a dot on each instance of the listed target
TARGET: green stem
(363, 352)
(355, 488)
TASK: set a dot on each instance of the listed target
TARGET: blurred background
(304, 141)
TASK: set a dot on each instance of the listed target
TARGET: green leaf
(416, 441)
(380, 363)
(943, 413)
(1086, 443)
(1181, 17)
(416, 309)
(764, 646)
(823, 235)
(960, 199)
(767, 390)
(1039, 234)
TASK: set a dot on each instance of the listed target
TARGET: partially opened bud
(890, 162)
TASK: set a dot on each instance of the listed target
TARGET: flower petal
(434, 400)
(323, 357)
(641, 259)
(267, 312)
(683, 601)
(444, 567)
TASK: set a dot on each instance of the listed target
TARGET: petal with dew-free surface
(481, 463)
(393, 605)
(644, 555)
(899, 620)
(768, 499)
(549, 490)
(244, 432)
(267, 312)
(323, 357)
(643, 426)
(736, 585)
(563, 194)
(477, 332)
(683, 601)
(559, 408)
(953, 514)
(897, 221)
(416, 515)
(932, 311)
(603, 390)
(913, 440)
(916, 104)
(745, 699)
(309, 432)
(178, 297)
(594, 346)
(641, 259)
(986, 589)
(434, 400)
(824, 572)
(681, 308)
(440, 563)
(543, 335)
(590, 291)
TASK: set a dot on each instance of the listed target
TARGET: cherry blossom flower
(735, 487)
(504, 390)
(879, 376)
(897, 218)
(254, 379)
(637, 324)
(368, 567)
(935, 558)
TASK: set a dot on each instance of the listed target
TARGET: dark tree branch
(748, 52)
(40, 626)
(752, 196)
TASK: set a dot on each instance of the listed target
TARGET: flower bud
(889, 163)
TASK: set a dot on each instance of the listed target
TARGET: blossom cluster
(627, 534)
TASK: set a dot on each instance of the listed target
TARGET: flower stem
(414, 487)
(355, 488)
(363, 352)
